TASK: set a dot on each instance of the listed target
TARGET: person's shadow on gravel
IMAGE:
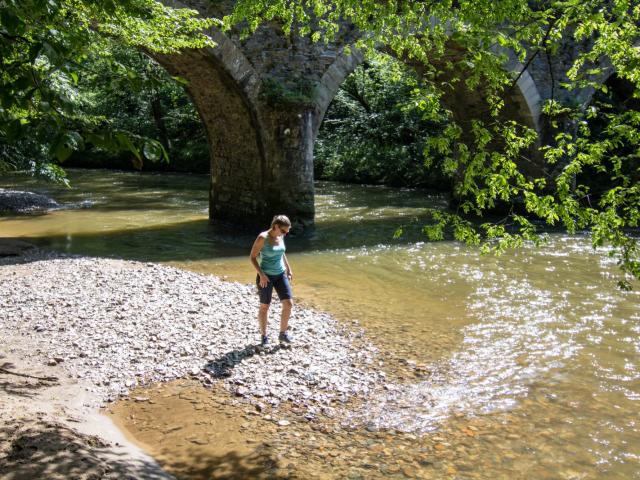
(222, 366)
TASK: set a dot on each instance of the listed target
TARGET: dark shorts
(280, 283)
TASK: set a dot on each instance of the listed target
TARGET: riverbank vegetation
(50, 50)
(377, 127)
(47, 50)
(129, 92)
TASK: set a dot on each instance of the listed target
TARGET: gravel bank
(117, 324)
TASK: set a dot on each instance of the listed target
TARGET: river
(533, 356)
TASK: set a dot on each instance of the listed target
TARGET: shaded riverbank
(49, 428)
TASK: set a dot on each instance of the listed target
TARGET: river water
(532, 357)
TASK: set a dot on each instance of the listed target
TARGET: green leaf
(125, 143)
(66, 144)
(152, 150)
(11, 23)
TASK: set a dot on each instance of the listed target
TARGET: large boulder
(14, 201)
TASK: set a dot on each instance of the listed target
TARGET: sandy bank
(50, 430)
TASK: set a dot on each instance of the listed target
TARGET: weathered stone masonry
(262, 101)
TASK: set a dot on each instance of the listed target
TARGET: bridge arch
(523, 102)
(262, 150)
(261, 155)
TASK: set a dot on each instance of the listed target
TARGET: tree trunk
(158, 117)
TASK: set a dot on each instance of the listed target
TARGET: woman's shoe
(285, 337)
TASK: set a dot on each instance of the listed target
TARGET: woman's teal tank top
(271, 258)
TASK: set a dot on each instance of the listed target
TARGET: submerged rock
(15, 201)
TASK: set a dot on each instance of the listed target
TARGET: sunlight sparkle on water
(522, 334)
(538, 335)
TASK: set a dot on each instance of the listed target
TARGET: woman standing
(269, 259)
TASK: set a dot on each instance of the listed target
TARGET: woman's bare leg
(286, 313)
(263, 315)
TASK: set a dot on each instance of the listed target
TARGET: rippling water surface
(538, 342)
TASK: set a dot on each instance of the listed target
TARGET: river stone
(15, 201)
(120, 323)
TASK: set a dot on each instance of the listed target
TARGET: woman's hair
(281, 221)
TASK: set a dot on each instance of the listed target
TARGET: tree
(147, 102)
(485, 153)
(45, 46)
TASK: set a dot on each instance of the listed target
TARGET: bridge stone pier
(262, 100)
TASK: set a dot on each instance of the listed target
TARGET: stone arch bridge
(262, 100)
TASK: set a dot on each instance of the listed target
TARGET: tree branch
(513, 84)
(544, 44)
(358, 97)
(553, 80)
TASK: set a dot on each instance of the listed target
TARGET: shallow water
(537, 346)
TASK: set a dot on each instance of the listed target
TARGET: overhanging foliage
(45, 47)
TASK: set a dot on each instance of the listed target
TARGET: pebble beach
(109, 326)
(119, 324)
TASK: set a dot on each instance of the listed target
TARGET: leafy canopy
(45, 47)
(126, 91)
(376, 127)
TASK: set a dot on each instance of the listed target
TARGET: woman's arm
(255, 251)
(287, 266)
